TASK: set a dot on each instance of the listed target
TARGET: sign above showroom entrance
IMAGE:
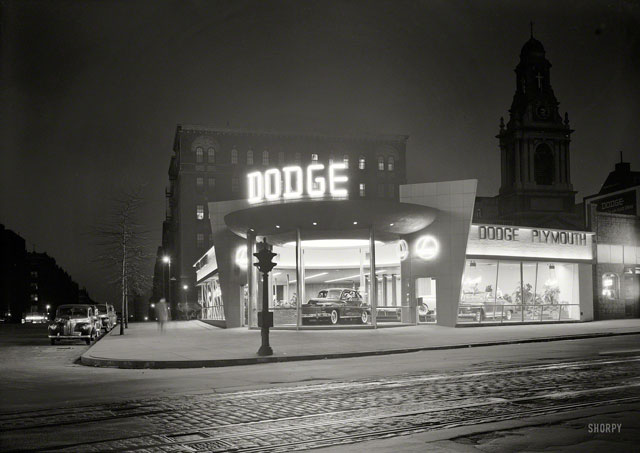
(293, 183)
(513, 241)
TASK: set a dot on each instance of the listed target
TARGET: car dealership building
(397, 262)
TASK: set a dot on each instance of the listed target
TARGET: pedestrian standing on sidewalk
(161, 313)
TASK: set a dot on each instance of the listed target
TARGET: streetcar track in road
(358, 422)
(139, 409)
(372, 382)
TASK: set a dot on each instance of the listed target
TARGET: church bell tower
(536, 187)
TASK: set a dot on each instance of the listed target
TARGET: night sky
(92, 91)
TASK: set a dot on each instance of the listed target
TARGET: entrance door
(426, 299)
(631, 294)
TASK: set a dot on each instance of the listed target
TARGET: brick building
(614, 216)
(211, 164)
(31, 281)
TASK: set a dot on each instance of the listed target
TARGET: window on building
(330, 158)
(34, 274)
(265, 157)
(479, 212)
(211, 182)
(200, 240)
(199, 181)
(543, 165)
(200, 212)
(362, 189)
(381, 163)
(281, 157)
(298, 158)
(362, 163)
(235, 184)
(345, 160)
(391, 163)
(314, 157)
(392, 190)
(199, 154)
(610, 285)
(381, 190)
(34, 297)
(234, 156)
(34, 286)
(250, 157)
(211, 156)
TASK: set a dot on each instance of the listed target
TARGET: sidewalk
(194, 344)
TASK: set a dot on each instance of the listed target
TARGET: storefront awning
(331, 218)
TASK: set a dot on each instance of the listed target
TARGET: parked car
(35, 318)
(75, 322)
(107, 315)
(336, 305)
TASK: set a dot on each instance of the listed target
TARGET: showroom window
(381, 163)
(199, 181)
(518, 291)
(362, 190)
(391, 163)
(345, 159)
(234, 156)
(211, 156)
(200, 212)
(362, 163)
(199, 154)
(200, 240)
(250, 157)
(610, 285)
(265, 157)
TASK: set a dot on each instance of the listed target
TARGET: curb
(215, 363)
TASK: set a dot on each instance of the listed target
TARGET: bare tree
(123, 245)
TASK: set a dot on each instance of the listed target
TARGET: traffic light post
(265, 317)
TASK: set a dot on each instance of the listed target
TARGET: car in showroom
(481, 306)
(107, 315)
(336, 305)
(75, 322)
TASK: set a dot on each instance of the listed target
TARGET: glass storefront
(337, 285)
(508, 291)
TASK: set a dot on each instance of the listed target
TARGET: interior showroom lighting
(333, 243)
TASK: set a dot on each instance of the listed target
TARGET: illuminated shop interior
(508, 291)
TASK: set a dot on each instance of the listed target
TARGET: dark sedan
(336, 305)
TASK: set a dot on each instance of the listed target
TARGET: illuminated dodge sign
(292, 182)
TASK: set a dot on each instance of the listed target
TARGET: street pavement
(519, 397)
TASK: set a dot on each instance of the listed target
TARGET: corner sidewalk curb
(86, 360)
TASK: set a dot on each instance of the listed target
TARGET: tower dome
(533, 47)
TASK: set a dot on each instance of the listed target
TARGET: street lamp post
(185, 288)
(265, 317)
(167, 260)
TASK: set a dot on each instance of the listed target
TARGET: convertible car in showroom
(75, 322)
(336, 305)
